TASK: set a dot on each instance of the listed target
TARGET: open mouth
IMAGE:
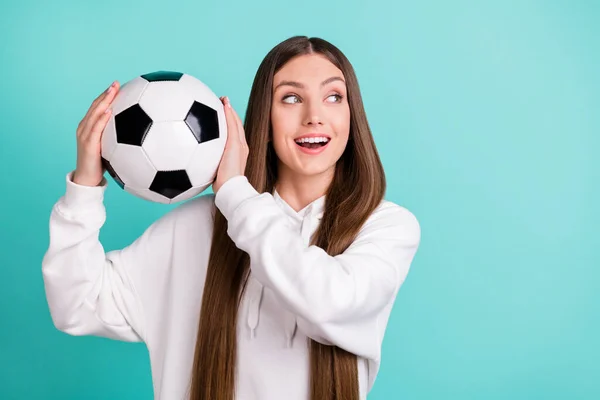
(312, 142)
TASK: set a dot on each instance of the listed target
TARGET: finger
(233, 136)
(96, 131)
(101, 96)
(240, 127)
(94, 105)
(100, 108)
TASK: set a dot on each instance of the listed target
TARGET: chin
(313, 170)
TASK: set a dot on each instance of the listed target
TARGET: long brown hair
(334, 373)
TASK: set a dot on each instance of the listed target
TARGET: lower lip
(314, 151)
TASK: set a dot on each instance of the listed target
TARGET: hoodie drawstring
(255, 293)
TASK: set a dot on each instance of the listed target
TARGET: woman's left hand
(235, 156)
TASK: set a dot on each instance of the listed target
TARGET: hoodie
(151, 290)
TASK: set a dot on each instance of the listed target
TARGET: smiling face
(310, 116)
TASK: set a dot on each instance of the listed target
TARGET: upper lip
(309, 135)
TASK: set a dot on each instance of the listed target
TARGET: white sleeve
(90, 292)
(341, 300)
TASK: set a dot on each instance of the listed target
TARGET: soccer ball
(165, 137)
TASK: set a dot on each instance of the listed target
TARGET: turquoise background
(487, 118)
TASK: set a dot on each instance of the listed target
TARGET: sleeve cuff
(233, 193)
(79, 196)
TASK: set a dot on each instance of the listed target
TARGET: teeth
(313, 140)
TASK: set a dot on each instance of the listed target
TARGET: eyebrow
(301, 86)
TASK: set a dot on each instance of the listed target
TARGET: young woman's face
(310, 115)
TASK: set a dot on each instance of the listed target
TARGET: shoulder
(393, 221)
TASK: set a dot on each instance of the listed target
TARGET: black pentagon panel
(162, 76)
(132, 125)
(203, 121)
(171, 183)
(112, 172)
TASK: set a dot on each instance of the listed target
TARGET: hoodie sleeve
(90, 292)
(342, 300)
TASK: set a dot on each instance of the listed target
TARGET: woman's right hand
(89, 170)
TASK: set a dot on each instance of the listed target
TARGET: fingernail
(228, 102)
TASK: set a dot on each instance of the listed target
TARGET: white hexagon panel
(154, 104)
(170, 145)
(165, 138)
(135, 169)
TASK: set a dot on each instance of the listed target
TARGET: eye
(293, 97)
(338, 98)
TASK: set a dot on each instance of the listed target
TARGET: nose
(313, 114)
(314, 120)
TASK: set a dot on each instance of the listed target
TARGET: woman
(278, 285)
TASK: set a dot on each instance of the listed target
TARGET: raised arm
(343, 300)
(90, 292)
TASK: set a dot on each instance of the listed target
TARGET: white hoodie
(151, 291)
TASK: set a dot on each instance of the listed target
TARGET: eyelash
(339, 97)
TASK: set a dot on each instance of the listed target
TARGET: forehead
(308, 69)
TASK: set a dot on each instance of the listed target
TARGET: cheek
(341, 123)
(281, 148)
(282, 124)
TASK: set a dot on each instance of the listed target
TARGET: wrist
(83, 180)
